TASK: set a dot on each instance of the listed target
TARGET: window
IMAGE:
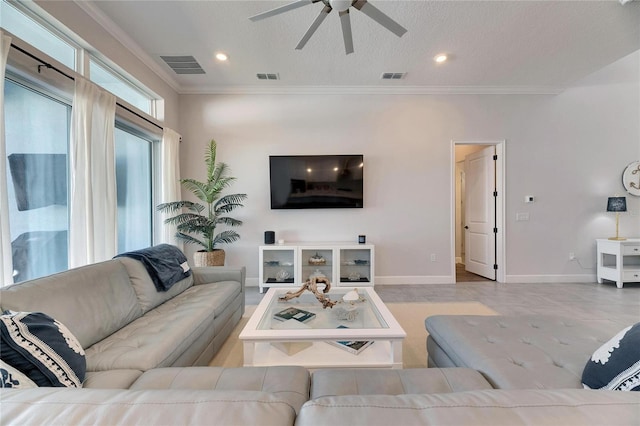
(23, 26)
(134, 188)
(115, 84)
(37, 135)
(37, 124)
(24, 22)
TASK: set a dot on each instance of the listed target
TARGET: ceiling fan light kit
(342, 6)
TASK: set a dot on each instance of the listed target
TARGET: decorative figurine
(312, 286)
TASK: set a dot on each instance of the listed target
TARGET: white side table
(618, 261)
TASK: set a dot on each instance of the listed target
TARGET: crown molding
(374, 90)
(130, 44)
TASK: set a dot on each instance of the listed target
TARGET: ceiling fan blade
(345, 21)
(377, 15)
(312, 29)
(278, 10)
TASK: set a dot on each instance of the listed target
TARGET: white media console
(292, 264)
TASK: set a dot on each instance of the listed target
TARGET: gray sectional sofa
(167, 396)
(124, 323)
(145, 348)
(147, 351)
(484, 370)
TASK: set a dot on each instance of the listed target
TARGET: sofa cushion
(165, 264)
(93, 301)
(616, 364)
(288, 382)
(49, 406)
(364, 381)
(483, 407)
(11, 377)
(159, 337)
(112, 379)
(42, 348)
(148, 296)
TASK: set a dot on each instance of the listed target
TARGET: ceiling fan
(342, 6)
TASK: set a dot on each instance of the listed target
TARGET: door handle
(466, 227)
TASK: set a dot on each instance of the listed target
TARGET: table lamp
(617, 205)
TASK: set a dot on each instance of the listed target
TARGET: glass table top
(307, 312)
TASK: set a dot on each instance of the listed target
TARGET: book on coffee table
(353, 346)
(294, 313)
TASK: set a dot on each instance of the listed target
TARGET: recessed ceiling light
(221, 56)
(440, 58)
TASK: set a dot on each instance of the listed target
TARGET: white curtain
(6, 262)
(170, 181)
(93, 230)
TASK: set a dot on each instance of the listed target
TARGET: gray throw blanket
(164, 263)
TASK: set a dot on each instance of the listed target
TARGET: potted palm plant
(196, 222)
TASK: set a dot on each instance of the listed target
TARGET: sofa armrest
(213, 274)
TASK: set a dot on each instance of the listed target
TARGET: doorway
(477, 236)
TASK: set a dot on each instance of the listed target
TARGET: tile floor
(575, 300)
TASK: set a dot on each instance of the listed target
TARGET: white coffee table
(373, 322)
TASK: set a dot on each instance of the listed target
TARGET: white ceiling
(514, 46)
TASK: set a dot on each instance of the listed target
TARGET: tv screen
(316, 181)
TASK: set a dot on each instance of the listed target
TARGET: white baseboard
(399, 280)
(448, 279)
(582, 278)
(417, 279)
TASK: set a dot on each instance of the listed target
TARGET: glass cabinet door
(278, 266)
(317, 262)
(355, 265)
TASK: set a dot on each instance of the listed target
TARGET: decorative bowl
(316, 259)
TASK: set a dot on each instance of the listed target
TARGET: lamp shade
(617, 204)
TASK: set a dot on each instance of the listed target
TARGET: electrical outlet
(433, 257)
(572, 256)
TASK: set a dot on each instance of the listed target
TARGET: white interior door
(480, 213)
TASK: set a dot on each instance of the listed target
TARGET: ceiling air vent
(268, 76)
(393, 75)
(183, 64)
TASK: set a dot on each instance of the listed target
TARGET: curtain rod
(49, 66)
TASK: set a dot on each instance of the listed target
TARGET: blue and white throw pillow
(616, 364)
(42, 348)
(11, 377)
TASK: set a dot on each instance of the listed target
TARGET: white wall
(568, 150)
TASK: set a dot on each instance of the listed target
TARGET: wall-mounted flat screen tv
(316, 181)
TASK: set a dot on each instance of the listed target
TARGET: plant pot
(209, 258)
